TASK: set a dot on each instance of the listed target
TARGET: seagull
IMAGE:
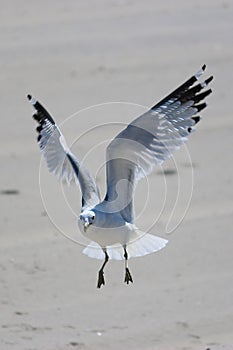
(145, 143)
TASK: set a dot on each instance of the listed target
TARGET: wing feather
(59, 159)
(151, 139)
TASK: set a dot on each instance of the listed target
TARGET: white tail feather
(145, 244)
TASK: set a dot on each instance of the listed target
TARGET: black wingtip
(201, 96)
(196, 119)
(29, 97)
(203, 67)
(201, 106)
(207, 81)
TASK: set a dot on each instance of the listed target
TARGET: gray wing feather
(151, 139)
(59, 159)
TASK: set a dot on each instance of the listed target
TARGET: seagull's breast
(106, 236)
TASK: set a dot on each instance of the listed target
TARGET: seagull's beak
(86, 225)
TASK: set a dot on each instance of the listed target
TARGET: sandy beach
(76, 57)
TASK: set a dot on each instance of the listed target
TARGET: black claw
(128, 277)
(101, 280)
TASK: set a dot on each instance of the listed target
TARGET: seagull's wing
(151, 139)
(59, 158)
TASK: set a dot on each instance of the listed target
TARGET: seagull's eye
(93, 217)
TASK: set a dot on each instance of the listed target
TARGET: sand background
(72, 55)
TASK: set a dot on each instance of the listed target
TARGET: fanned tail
(143, 245)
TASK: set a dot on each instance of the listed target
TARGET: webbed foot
(101, 280)
(128, 277)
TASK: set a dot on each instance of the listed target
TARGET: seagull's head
(87, 218)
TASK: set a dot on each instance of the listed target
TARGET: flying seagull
(146, 142)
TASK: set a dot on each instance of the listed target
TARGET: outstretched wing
(151, 139)
(59, 158)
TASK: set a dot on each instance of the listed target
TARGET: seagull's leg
(101, 280)
(128, 277)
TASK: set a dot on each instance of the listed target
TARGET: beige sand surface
(75, 54)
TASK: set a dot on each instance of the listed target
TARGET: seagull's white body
(146, 142)
(113, 239)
